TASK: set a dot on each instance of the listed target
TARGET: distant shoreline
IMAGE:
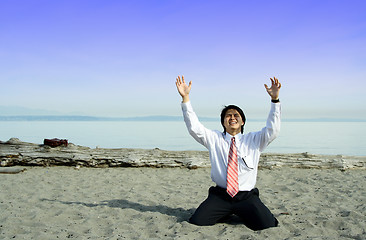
(159, 118)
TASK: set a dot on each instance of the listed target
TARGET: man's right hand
(183, 88)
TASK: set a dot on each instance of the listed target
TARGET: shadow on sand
(180, 213)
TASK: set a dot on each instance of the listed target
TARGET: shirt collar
(228, 137)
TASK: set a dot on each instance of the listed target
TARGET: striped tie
(232, 186)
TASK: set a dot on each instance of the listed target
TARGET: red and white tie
(232, 185)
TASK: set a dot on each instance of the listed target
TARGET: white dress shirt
(249, 146)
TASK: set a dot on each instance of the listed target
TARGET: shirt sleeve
(194, 126)
(272, 129)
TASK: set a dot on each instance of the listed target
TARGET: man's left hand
(274, 90)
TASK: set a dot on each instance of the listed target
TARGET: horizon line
(162, 118)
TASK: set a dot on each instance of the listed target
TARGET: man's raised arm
(273, 125)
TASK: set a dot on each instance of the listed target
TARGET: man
(234, 160)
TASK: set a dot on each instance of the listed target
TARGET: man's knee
(260, 222)
(199, 221)
(263, 225)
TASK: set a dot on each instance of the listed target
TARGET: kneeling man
(234, 160)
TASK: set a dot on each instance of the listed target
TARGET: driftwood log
(17, 153)
(11, 170)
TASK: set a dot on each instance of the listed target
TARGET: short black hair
(223, 113)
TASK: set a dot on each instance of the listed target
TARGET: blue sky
(121, 58)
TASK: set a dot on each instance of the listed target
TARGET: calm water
(347, 138)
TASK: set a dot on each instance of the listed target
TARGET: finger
(272, 81)
(279, 85)
(190, 84)
(265, 85)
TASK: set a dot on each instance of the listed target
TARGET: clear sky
(121, 58)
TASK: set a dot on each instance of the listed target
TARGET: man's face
(233, 122)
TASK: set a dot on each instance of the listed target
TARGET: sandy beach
(155, 203)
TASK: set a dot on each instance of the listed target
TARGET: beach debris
(284, 213)
(11, 170)
(55, 142)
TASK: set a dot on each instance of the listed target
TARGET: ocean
(345, 138)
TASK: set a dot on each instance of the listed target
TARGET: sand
(155, 203)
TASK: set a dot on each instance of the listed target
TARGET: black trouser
(246, 205)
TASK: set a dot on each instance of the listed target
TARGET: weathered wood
(11, 170)
(15, 152)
